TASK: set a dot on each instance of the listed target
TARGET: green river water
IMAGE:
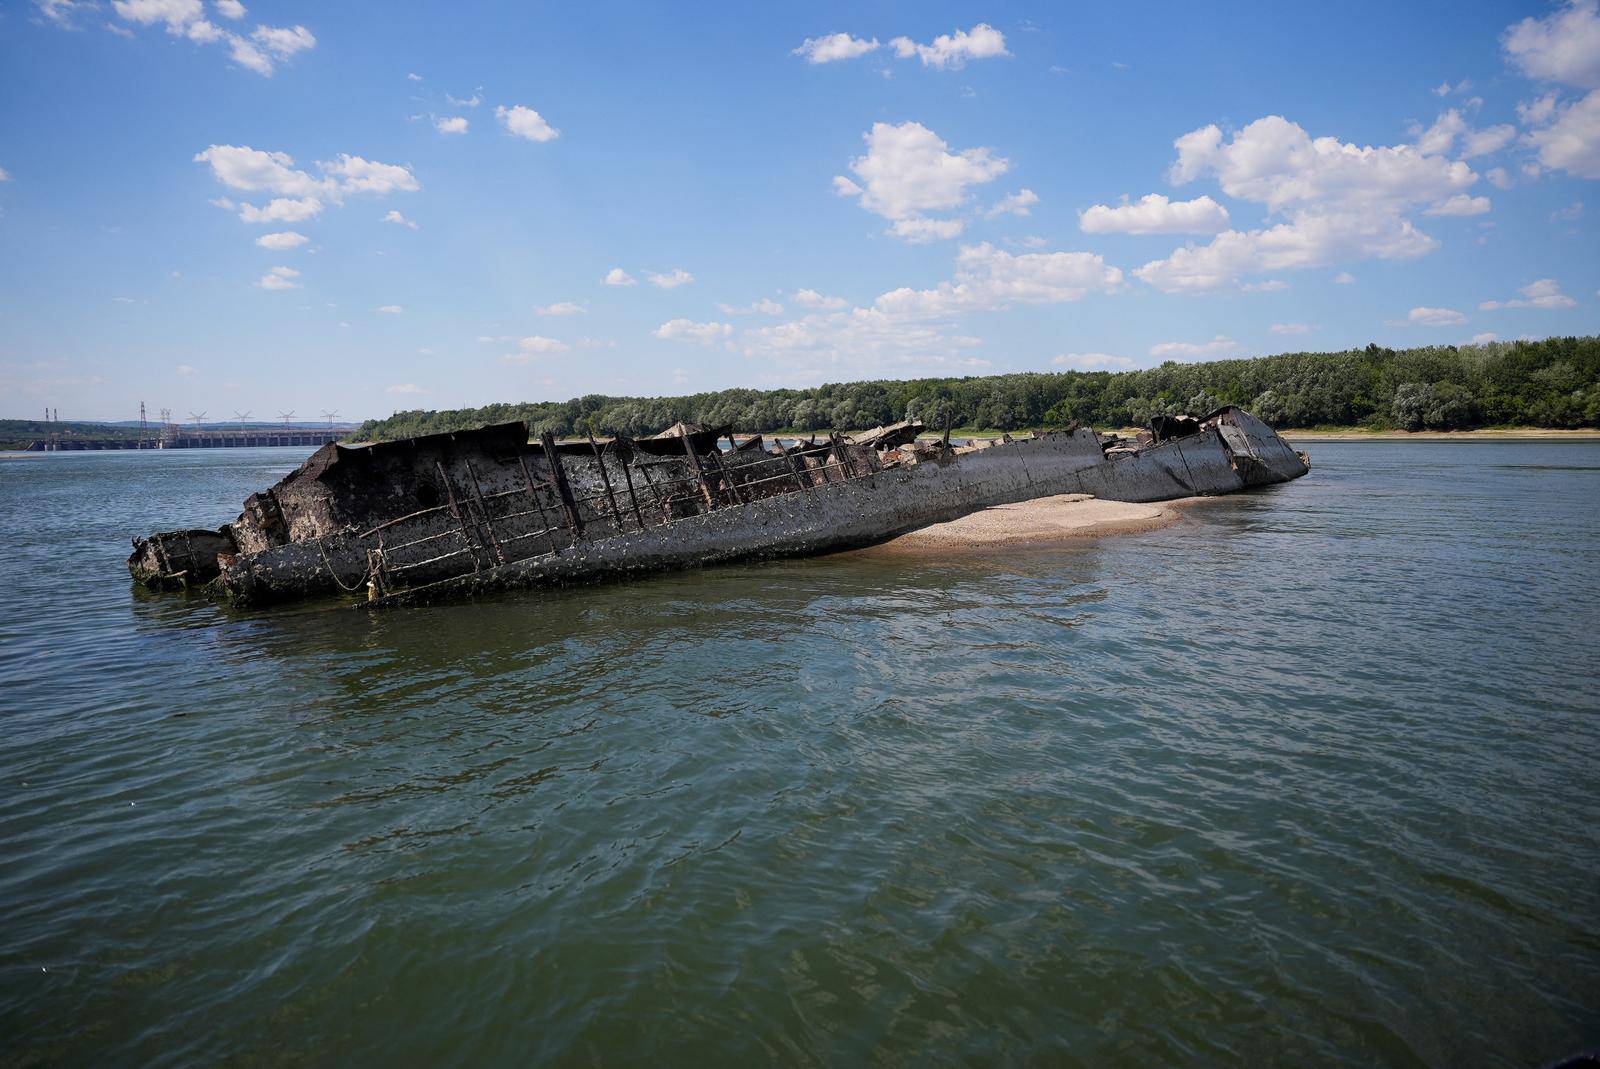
(1309, 778)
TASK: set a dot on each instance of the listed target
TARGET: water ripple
(1305, 778)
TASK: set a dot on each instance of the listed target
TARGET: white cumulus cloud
(1434, 317)
(1155, 214)
(256, 171)
(455, 124)
(538, 345)
(921, 230)
(1019, 203)
(1341, 201)
(1570, 140)
(1289, 328)
(562, 308)
(671, 280)
(253, 170)
(297, 194)
(687, 330)
(352, 174)
(1273, 161)
(1440, 138)
(834, 46)
(1460, 204)
(1094, 362)
(64, 13)
(260, 50)
(392, 216)
(810, 298)
(279, 278)
(953, 50)
(1544, 293)
(618, 277)
(765, 306)
(1221, 345)
(1489, 139)
(1561, 47)
(988, 279)
(278, 210)
(283, 239)
(1312, 239)
(909, 171)
(525, 122)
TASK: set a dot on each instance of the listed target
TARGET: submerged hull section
(497, 514)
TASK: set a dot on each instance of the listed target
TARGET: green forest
(17, 433)
(1549, 383)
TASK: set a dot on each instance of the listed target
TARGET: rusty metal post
(483, 510)
(375, 571)
(699, 471)
(727, 480)
(605, 479)
(655, 494)
(549, 528)
(380, 573)
(455, 510)
(801, 482)
(558, 479)
(624, 449)
(839, 457)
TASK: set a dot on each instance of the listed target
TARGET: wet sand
(1041, 521)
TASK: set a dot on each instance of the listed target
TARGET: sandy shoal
(1042, 520)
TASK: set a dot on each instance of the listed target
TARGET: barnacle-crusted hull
(499, 514)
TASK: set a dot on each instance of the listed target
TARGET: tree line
(1550, 383)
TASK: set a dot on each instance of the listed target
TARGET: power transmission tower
(197, 417)
(286, 417)
(144, 428)
(241, 417)
(330, 417)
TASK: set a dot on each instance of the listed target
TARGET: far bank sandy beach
(1512, 434)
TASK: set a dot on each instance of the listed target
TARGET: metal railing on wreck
(488, 530)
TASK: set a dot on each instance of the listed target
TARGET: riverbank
(1040, 521)
(1358, 434)
(1502, 434)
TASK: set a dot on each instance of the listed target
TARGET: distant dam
(178, 438)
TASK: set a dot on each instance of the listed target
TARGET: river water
(1309, 778)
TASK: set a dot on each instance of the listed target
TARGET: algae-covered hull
(455, 514)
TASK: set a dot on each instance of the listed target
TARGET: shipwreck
(456, 514)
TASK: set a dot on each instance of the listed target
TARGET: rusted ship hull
(499, 514)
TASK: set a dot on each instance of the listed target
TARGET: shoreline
(1509, 434)
(1359, 434)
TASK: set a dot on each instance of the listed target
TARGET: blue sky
(363, 207)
